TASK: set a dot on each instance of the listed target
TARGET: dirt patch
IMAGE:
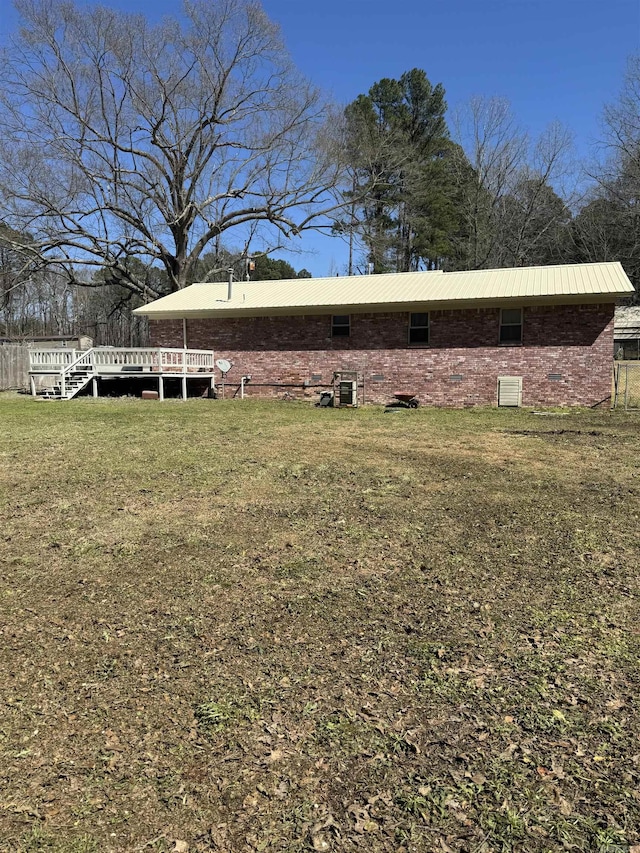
(552, 432)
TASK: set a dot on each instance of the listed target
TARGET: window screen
(340, 326)
(419, 328)
(511, 325)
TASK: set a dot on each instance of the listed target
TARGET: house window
(340, 326)
(418, 328)
(511, 326)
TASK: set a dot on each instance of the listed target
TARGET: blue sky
(553, 59)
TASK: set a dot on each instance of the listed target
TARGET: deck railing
(103, 360)
(41, 360)
(187, 360)
(124, 359)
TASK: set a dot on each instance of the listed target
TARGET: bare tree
(608, 226)
(120, 139)
(511, 212)
(622, 133)
(33, 299)
(493, 149)
(535, 217)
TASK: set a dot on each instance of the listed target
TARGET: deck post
(184, 386)
(32, 384)
(161, 387)
(94, 386)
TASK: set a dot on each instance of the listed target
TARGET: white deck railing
(113, 360)
(190, 359)
(52, 360)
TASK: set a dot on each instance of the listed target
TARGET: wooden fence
(14, 367)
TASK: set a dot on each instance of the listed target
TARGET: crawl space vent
(509, 390)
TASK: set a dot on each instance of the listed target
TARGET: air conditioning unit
(348, 393)
(345, 388)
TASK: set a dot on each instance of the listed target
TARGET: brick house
(529, 336)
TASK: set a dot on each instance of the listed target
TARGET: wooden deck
(72, 370)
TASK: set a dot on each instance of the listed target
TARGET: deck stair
(72, 376)
(74, 383)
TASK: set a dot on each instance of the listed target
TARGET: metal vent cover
(510, 391)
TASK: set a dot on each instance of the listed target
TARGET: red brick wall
(460, 367)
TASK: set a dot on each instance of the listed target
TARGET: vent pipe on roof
(230, 285)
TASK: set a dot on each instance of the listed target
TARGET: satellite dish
(223, 365)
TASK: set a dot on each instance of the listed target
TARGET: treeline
(138, 158)
(475, 191)
(37, 300)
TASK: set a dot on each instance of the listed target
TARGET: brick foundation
(459, 367)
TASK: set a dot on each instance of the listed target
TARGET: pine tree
(403, 188)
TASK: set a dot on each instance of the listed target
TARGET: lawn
(242, 626)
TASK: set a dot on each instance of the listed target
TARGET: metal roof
(627, 322)
(397, 291)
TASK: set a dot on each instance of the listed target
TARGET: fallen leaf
(565, 809)
(363, 822)
(275, 755)
(508, 752)
(180, 847)
(282, 790)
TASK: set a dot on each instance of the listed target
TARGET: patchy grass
(244, 626)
